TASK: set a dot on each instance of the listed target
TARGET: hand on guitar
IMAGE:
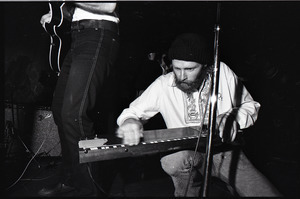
(227, 127)
(46, 18)
(130, 131)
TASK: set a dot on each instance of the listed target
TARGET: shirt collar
(172, 80)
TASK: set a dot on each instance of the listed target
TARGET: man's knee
(168, 165)
(179, 162)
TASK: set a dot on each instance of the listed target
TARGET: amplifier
(45, 133)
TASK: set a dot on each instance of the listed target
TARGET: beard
(190, 87)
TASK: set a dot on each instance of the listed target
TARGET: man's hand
(131, 131)
(227, 127)
(46, 18)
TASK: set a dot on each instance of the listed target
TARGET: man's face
(187, 75)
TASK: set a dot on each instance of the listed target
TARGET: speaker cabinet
(45, 136)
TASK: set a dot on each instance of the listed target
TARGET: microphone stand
(212, 110)
(12, 131)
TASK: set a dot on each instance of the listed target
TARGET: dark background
(250, 32)
(258, 40)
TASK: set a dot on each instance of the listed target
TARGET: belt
(95, 24)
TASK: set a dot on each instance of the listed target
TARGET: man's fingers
(131, 138)
(130, 131)
(227, 127)
(119, 133)
(45, 19)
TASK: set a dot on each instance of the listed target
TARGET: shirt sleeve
(145, 106)
(236, 99)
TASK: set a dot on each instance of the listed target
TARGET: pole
(212, 110)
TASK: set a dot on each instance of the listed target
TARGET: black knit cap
(190, 47)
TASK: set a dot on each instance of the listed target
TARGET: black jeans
(85, 70)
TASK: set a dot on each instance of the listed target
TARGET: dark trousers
(86, 68)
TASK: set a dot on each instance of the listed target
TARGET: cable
(97, 185)
(192, 164)
(26, 166)
(197, 144)
(49, 151)
(35, 179)
(32, 158)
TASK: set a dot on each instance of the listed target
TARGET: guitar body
(58, 29)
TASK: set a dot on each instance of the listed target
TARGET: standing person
(181, 97)
(85, 71)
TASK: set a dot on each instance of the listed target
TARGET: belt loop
(76, 25)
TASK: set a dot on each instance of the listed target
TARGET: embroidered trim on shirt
(193, 110)
(204, 98)
(191, 113)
